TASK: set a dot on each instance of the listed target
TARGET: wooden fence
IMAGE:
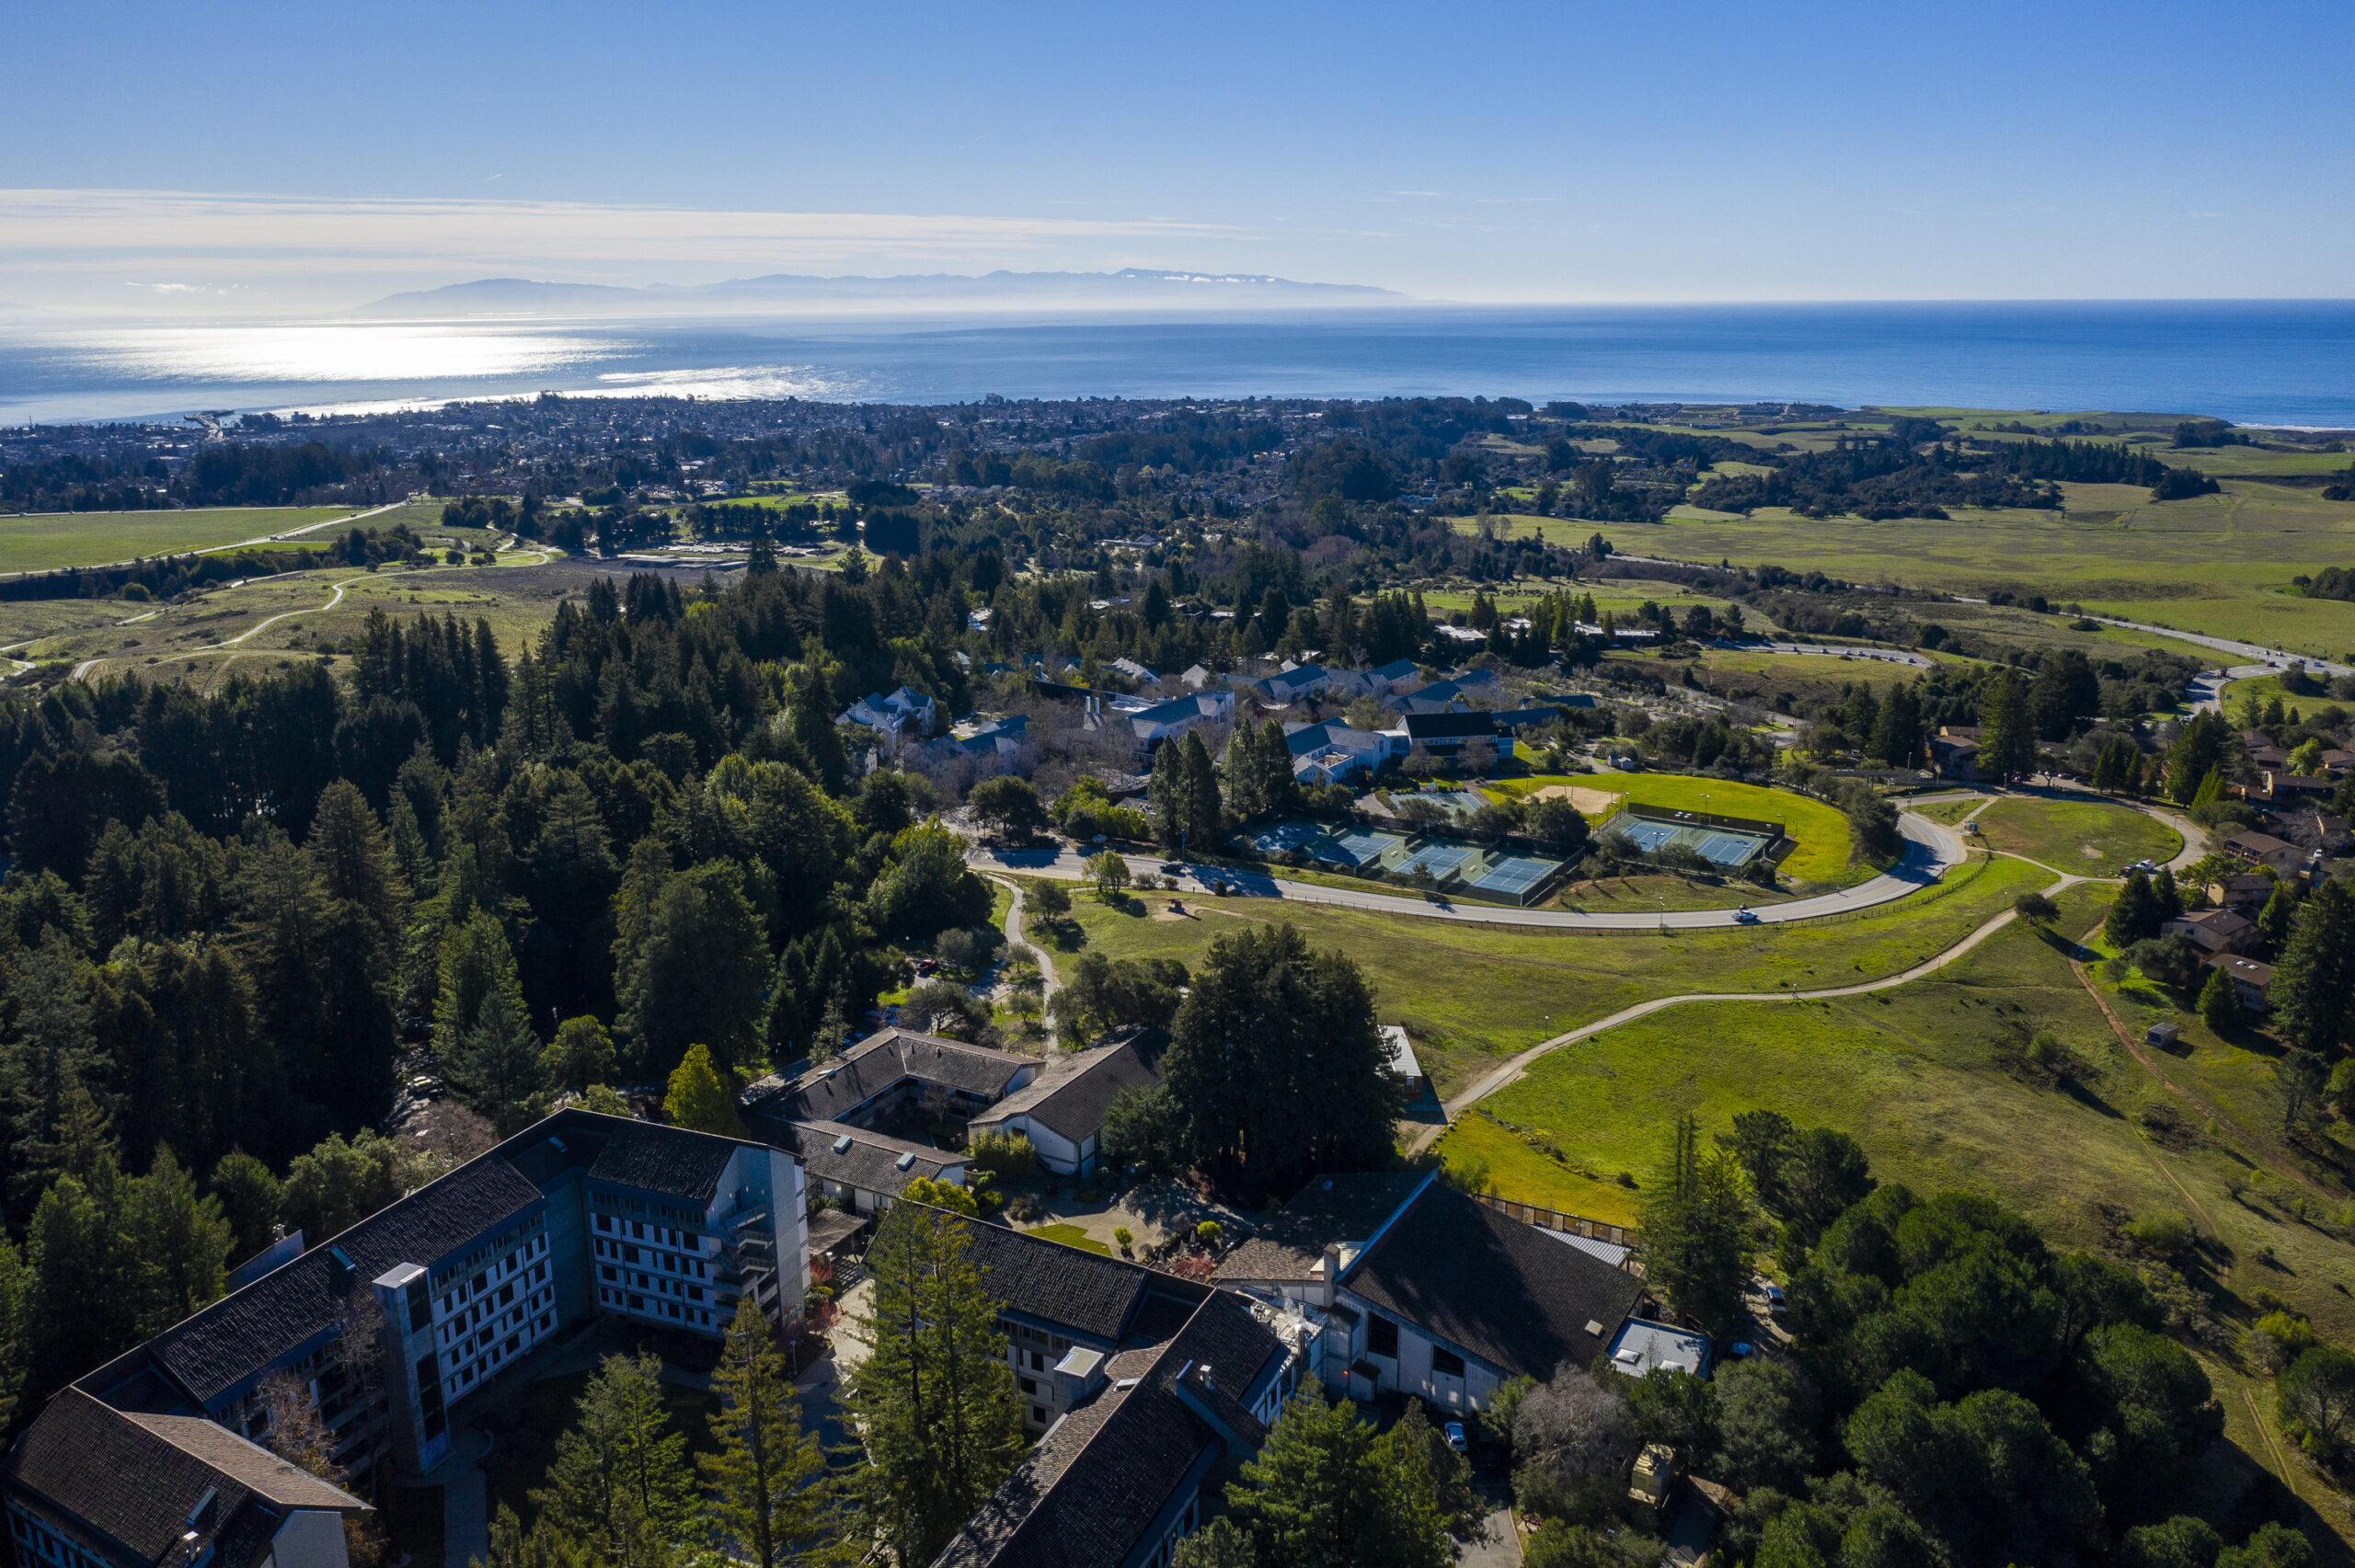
(1554, 1220)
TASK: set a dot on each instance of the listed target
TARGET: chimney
(1332, 1272)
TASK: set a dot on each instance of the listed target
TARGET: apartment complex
(391, 1325)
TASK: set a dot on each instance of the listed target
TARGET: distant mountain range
(788, 293)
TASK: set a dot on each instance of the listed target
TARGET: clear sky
(320, 154)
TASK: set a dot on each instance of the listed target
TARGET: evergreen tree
(475, 965)
(690, 962)
(85, 1304)
(2313, 996)
(2220, 1006)
(2280, 914)
(1221, 1543)
(2007, 738)
(1276, 1065)
(620, 1484)
(1318, 1495)
(497, 1064)
(933, 1401)
(182, 1242)
(16, 1337)
(249, 1200)
(581, 1054)
(2169, 896)
(1204, 816)
(337, 1184)
(765, 1488)
(2134, 915)
(1164, 794)
(1697, 1228)
(2200, 747)
(698, 1098)
(51, 1061)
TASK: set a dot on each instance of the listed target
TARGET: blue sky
(321, 154)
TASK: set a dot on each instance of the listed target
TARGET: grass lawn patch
(1529, 1166)
(1949, 811)
(2085, 837)
(1821, 830)
(48, 541)
(1072, 1236)
(1468, 994)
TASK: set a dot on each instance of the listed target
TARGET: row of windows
(655, 1308)
(655, 1257)
(1382, 1339)
(525, 1333)
(476, 1269)
(40, 1540)
(659, 1211)
(466, 1291)
(653, 1283)
(461, 1332)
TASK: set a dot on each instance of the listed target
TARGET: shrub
(1004, 1156)
(2163, 1234)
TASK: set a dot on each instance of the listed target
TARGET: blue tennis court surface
(1437, 859)
(1721, 846)
(1355, 846)
(1514, 874)
(1648, 836)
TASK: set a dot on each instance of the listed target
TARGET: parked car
(1773, 1298)
(1455, 1438)
(1173, 868)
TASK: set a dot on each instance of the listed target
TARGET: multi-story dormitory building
(578, 1217)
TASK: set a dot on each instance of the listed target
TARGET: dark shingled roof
(871, 1162)
(871, 1066)
(1449, 726)
(1087, 1292)
(136, 1479)
(1492, 1286)
(1329, 1210)
(227, 1342)
(677, 1160)
(1072, 1100)
(1096, 1481)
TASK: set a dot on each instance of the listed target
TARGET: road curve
(2273, 658)
(1512, 1068)
(1931, 849)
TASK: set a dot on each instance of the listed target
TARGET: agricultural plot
(47, 542)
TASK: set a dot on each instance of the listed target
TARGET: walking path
(1015, 937)
(1514, 1068)
(1931, 849)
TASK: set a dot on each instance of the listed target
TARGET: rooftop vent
(841, 1144)
(907, 1160)
(1594, 1327)
(1126, 1383)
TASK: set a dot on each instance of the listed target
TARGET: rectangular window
(1039, 1414)
(1381, 1337)
(1446, 1362)
(1029, 1387)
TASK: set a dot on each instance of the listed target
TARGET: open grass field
(286, 617)
(1821, 831)
(1469, 994)
(1950, 811)
(2081, 836)
(46, 541)
(2217, 565)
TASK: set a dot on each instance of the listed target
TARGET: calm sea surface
(2285, 362)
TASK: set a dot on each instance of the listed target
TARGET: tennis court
(1278, 837)
(1719, 846)
(1357, 846)
(1513, 877)
(1436, 858)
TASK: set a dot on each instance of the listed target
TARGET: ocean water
(2290, 363)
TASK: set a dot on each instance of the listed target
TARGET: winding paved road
(1930, 849)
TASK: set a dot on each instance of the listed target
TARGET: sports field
(46, 541)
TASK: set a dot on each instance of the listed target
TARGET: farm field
(1469, 994)
(45, 541)
(1824, 852)
(2082, 837)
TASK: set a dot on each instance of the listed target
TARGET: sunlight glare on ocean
(317, 352)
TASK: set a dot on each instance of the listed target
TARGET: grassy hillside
(46, 541)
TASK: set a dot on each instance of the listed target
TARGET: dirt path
(1514, 1068)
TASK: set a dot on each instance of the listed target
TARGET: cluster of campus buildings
(1144, 1388)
